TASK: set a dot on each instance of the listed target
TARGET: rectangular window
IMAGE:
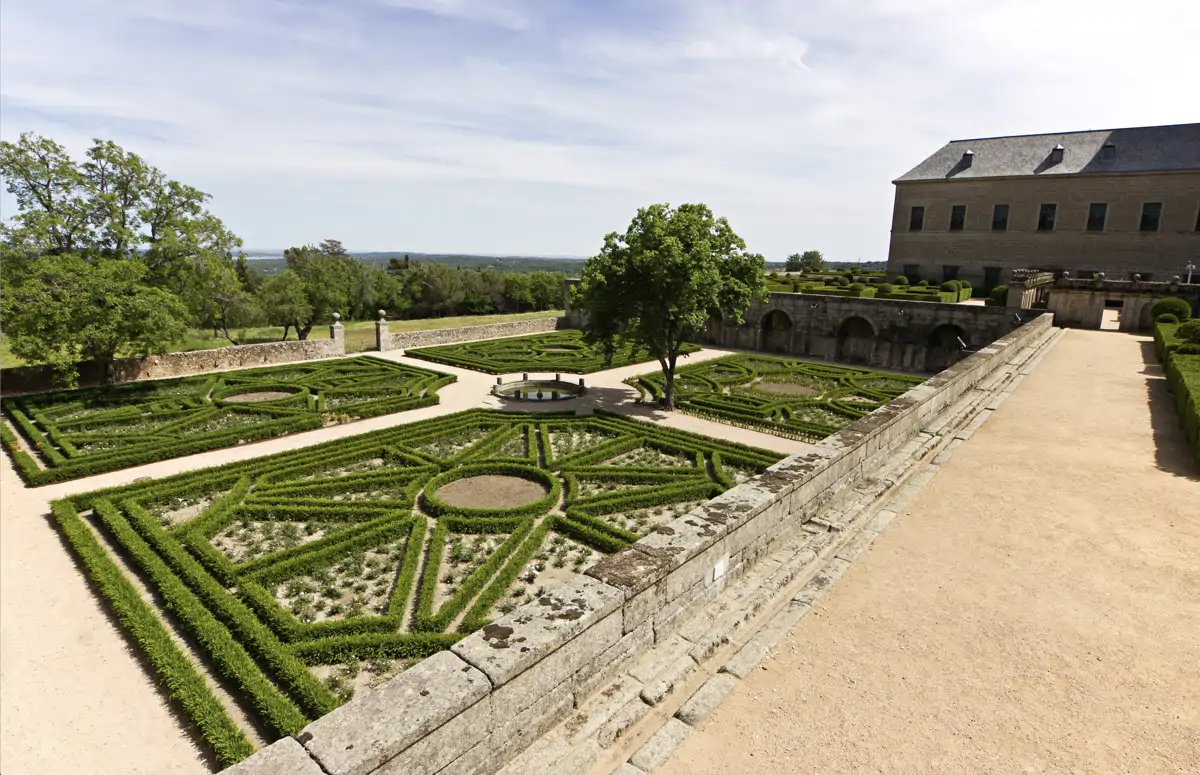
(1046, 217)
(916, 219)
(991, 276)
(1000, 218)
(958, 217)
(949, 272)
(1097, 215)
(1151, 213)
(912, 272)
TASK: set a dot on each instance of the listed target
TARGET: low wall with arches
(884, 333)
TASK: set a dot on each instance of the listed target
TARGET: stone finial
(1099, 277)
(1066, 275)
(382, 314)
(1137, 278)
(336, 317)
(1175, 280)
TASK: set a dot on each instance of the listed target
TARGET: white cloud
(471, 125)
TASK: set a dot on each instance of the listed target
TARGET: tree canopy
(808, 261)
(661, 281)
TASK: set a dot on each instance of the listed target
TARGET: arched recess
(944, 347)
(777, 331)
(856, 341)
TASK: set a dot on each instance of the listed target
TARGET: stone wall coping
(363, 734)
(514, 642)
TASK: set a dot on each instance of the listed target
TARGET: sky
(535, 127)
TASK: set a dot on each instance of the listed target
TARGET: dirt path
(1036, 610)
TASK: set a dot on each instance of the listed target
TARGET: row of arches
(857, 340)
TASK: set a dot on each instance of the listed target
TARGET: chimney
(1056, 155)
(967, 158)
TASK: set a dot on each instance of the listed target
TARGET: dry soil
(1036, 610)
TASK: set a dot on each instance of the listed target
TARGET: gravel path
(1037, 610)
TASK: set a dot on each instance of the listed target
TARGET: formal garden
(1177, 341)
(798, 399)
(69, 434)
(557, 351)
(872, 285)
(303, 576)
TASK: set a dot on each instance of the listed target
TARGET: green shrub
(1191, 348)
(965, 284)
(1166, 317)
(885, 288)
(950, 286)
(997, 297)
(900, 280)
(923, 283)
(1172, 305)
(843, 281)
(1189, 331)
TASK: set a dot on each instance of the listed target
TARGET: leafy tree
(332, 247)
(812, 261)
(662, 281)
(793, 263)
(327, 284)
(65, 309)
(216, 297)
(284, 300)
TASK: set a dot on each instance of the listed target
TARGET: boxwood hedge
(84, 432)
(229, 552)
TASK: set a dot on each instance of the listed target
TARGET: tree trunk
(302, 332)
(286, 328)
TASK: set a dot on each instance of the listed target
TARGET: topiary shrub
(886, 288)
(1188, 349)
(998, 297)
(900, 280)
(1166, 317)
(843, 281)
(795, 286)
(1173, 305)
(1189, 332)
(950, 286)
(964, 284)
(923, 284)
(857, 286)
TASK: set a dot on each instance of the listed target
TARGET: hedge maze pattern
(782, 396)
(560, 351)
(303, 575)
(84, 432)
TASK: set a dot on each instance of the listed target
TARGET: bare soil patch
(558, 350)
(253, 398)
(785, 389)
(491, 492)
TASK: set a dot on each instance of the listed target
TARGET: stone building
(1118, 201)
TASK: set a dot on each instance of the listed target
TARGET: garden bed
(786, 397)
(559, 351)
(84, 432)
(306, 575)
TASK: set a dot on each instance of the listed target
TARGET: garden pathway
(73, 698)
(1037, 609)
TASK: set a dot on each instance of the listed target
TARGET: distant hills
(271, 261)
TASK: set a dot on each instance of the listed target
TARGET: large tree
(63, 310)
(660, 282)
(328, 280)
(808, 261)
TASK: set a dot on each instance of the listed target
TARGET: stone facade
(30, 379)
(470, 710)
(410, 339)
(1120, 250)
(885, 333)
(1081, 303)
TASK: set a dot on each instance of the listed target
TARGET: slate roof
(1139, 149)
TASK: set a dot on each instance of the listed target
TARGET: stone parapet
(410, 339)
(470, 710)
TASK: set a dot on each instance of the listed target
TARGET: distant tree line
(108, 257)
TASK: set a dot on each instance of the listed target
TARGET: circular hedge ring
(437, 507)
(257, 394)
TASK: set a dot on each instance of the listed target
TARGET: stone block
(706, 699)
(600, 708)
(661, 685)
(511, 735)
(880, 521)
(814, 590)
(515, 642)
(659, 748)
(589, 677)
(658, 658)
(375, 727)
(628, 769)
(283, 757)
(636, 573)
(759, 647)
(628, 715)
(856, 545)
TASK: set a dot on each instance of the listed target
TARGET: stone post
(337, 332)
(383, 337)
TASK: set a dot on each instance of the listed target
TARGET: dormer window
(968, 158)
(1108, 152)
(1056, 155)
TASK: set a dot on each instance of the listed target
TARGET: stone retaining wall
(471, 709)
(31, 379)
(410, 339)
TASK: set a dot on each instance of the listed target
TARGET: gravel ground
(1036, 610)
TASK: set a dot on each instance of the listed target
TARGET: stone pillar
(337, 332)
(383, 337)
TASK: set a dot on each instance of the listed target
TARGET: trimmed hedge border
(1183, 378)
(339, 390)
(362, 490)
